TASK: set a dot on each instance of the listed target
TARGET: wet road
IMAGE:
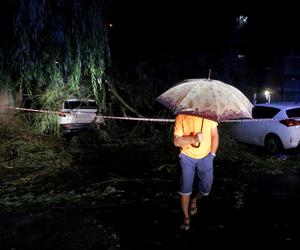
(266, 216)
(141, 208)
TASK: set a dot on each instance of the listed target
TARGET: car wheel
(273, 144)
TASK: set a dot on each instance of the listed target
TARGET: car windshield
(80, 105)
(293, 112)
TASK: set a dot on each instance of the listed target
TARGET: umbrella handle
(197, 146)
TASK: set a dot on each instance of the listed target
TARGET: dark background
(200, 25)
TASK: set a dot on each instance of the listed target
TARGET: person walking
(198, 140)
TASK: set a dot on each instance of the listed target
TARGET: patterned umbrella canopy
(207, 98)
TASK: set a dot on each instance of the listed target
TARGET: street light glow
(268, 96)
(267, 93)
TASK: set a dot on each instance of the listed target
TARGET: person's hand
(197, 139)
(200, 137)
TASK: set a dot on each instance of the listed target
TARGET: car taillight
(64, 114)
(290, 122)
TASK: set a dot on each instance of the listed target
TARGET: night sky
(153, 23)
(201, 26)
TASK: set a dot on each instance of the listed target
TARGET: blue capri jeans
(200, 168)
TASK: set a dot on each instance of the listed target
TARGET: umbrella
(207, 98)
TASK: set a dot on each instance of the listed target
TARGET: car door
(253, 131)
(250, 131)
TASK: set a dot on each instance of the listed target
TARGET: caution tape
(35, 110)
(99, 116)
(136, 118)
(126, 117)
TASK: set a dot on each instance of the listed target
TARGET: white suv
(275, 126)
(77, 114)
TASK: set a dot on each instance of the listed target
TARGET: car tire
(273, 144)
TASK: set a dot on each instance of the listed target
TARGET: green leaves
(57, 44)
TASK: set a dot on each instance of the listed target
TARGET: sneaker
(185, 226)
(193, 208)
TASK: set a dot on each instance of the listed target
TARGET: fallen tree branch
(121, 100)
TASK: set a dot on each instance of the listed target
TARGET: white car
(77, 114)
(276, 126)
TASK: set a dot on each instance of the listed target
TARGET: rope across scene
(100, 116)
(136, 118)
(124, 118)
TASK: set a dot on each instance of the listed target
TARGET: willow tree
(55, 48)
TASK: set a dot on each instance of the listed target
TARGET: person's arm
(181, 141)
(214, 140)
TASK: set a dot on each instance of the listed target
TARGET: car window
(293, 112)
(80, 105)
(264, 112)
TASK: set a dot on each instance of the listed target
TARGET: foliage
(8, 85)
(51, 100)
(37, 172)
(54, 47)
(23, 152)
(143, 79)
